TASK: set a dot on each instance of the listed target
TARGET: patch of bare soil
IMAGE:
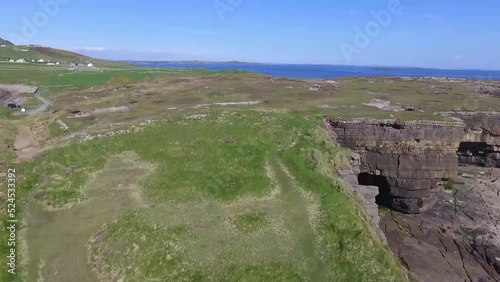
(11, 93)
(25, 144)
(458, 240)
(388, 106)
(80, 114)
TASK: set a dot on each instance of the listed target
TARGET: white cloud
(97, 49)
(458, 57)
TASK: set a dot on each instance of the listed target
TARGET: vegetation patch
(251, 222)
(250, 209)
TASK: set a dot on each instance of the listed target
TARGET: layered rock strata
(410, 159)
(482, 138)
(367, 194)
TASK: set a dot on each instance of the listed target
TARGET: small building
(21, 61)
(57, 63)
(51, 64)
(90, 65)
(11, 61)
(72, 65)
(41, 61)
(2, 46)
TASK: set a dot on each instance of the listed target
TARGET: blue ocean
(328, 71)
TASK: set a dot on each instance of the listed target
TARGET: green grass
(306, 230)
(6, 112)
(74, 124)
(31, 102)
(250, 222)
(58, 79)
(8, 133)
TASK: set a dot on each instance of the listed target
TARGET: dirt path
(25, 144)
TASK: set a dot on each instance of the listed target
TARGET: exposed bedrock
(407, 160)
(481, 126)
(481, 143)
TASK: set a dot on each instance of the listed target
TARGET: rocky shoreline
(442, 183)
(459, 238)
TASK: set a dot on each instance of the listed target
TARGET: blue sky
(456, 34)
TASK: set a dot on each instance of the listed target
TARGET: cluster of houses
(40, 61)
(73, 66)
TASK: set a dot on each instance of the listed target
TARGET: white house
(11, 61)
(3, 46)
(32, 60)
(57, 63)
(41, 61)
(21, 61)
(90, 65)
(51, 64)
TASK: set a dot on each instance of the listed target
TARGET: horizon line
(301, 64)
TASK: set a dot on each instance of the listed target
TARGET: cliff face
(481, 126)
(408, 161)
(481, 143)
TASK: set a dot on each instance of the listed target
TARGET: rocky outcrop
(479, 154)
(411, 159)
(480, 126)
(481, 142)
(459, 239)
(367, 194)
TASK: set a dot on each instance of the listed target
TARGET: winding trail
(46, 103)
(25, 144)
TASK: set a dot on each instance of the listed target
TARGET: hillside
(5, 42)
(37, 53)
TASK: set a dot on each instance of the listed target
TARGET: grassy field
(234, 180)
(176, 202)
(59, 79)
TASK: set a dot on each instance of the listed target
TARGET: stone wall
(414, 157)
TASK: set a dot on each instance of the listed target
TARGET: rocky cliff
(481, 143)
(407, 160)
